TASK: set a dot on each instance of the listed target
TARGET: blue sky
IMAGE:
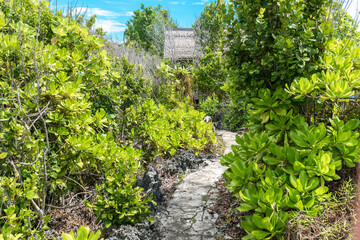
(112, 15)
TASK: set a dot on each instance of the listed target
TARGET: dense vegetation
(79, 120)
(77, 123)
(303, 127)
(147, 28)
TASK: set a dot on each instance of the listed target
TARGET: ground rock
(152, 184)
(140, 231)
(184, 160)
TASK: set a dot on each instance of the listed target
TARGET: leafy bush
(271, 43)
(82, 234)
(210, 26)
(173, 85)
(211, 74)
(56, 137)
(119, 202)
(210, 106)
(161, 130)
(146, 27)
(336, 222)
(281, 166)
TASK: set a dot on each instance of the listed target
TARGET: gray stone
(140, 231)
(189, 212)
(151, 184)
(185, 160)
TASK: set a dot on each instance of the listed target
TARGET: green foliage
(173, 85)
(127, 87)
(281, 166)
(56, 136)
(148, 24)
(234, 115)
(163, 130)
(343, 25)
(282, 170)
(336, 222)
(66, 112)
(333, 92)
(211, 73)
(118, 201)
(272, 42)
(82, 234)
(210, 26)
(18, 211)
(210, 106)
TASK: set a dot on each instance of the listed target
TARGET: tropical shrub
(82, 234)
(119, 202)
(211, 73)
(273, 42)
(161, 130)
(210, 26)
(172, 85)
(282, 165)
(147, 28)
(55, 136)
(210, 106)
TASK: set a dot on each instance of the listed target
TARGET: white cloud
(128, 14)
(203, 2)
(110, 26)
(101, 12)
(177, 3)
(117, 2)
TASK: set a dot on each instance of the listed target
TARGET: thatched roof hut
(180, 44)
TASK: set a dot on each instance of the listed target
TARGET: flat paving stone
(189, 213)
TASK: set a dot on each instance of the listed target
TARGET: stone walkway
(189, 214)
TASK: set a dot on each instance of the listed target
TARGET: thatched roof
(180, 44)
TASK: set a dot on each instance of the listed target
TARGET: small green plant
(211, 73)
(281, 166)
(234, 115)
(116, 205)
(181, 176)
(162, 130)
(205, 198)
(335, 222)
(82, 234)
(210, 105)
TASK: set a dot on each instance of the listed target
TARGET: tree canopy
(210, 26)
(147, 28)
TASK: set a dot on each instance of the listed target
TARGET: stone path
(189, 214)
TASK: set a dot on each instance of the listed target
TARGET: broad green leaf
(321, 190)
(298, 166)
(310, 203)
(95, 236)
(82, 233)
(271, 160)
(280, 111)
(31, 194)
(260, 234)
(245, 207)
(248, 225)
(267, 224)
(3, 155)
(66, 236)
(258, 221)
(300, 205)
